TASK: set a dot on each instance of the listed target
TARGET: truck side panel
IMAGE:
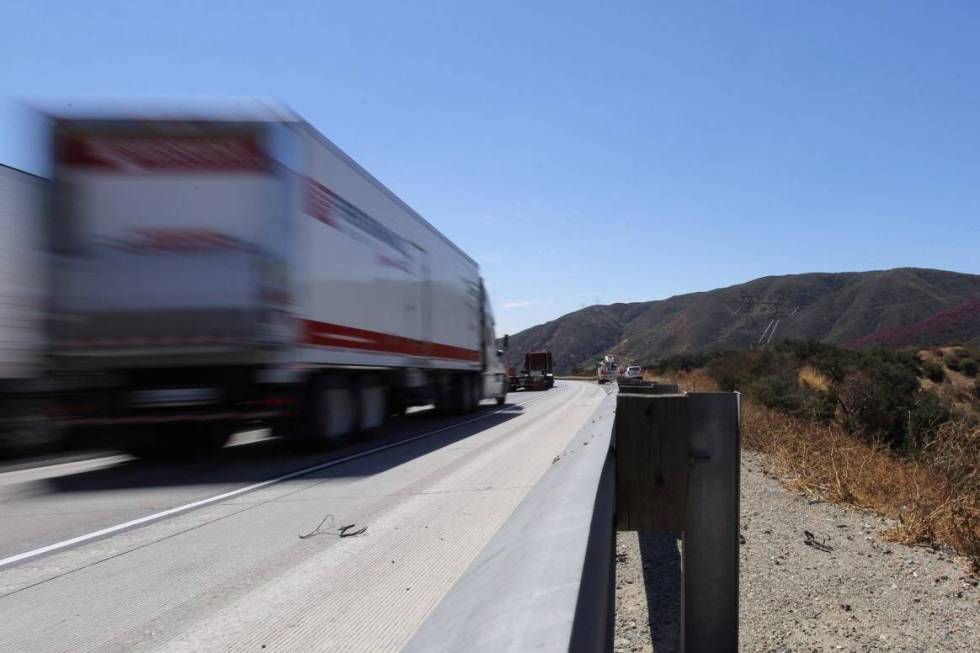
(375, 284)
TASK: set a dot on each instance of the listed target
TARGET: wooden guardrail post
(677, 470)
(651, 462)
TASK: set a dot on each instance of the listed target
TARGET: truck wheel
(331, 410)
(457, 395)
(501, 400)
(465, 397)
(476, 392)
(373, 404)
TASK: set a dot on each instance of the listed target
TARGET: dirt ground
(856, 592)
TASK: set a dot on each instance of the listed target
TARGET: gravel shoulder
(855, 592)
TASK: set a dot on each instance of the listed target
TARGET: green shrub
(954, 359)
(969, 367)
(875, 390)
(684, 362)
(927, 414)
(876, 400)
(779, 391)
(933, 371)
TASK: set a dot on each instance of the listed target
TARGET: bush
(925, 418)
(934, 372)
(876, 390)
(735, 370)
(969, 367)
(681, 362)
(876, 400)
(779, 391)
(959, 359)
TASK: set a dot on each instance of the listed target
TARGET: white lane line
(57, 546)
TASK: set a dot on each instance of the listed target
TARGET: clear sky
(583, 152)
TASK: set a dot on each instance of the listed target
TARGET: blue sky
(584, 152)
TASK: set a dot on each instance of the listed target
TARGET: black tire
(372, 405)
(459, 395)
(329, 412)
(469, 397)
(501, 400)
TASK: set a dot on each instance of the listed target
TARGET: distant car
(634, 372)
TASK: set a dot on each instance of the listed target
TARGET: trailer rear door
(164, 234)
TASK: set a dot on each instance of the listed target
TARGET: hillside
(831, 307)
(950, 325)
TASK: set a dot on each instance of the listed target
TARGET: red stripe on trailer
(338, 335)
(139, 153)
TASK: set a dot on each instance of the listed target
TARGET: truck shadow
(265, 459)
(662, 580)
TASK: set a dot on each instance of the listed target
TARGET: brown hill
(831, 307)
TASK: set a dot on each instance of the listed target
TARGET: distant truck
(219, 271)
(607, 370)
(539, 370)
(514, 379)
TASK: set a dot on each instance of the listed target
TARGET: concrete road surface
(113, 554)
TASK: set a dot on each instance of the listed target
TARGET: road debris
(346, 532)
(316, 531)
(811, 540)
(343, 531)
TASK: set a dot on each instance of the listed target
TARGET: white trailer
(209, 272)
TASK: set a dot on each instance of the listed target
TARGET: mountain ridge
(833, 307)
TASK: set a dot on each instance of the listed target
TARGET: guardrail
(544, 581)
(644, 461)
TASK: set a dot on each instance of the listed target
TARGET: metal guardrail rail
(545, 581)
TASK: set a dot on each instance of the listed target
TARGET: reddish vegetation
(948, 325)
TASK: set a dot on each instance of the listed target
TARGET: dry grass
(956, 389)
(812, 378)
(935, 498)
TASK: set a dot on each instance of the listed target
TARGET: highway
(114, 554)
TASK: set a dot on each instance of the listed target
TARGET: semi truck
(607, 370)
(23, 302)
(215, 272)
(539, 370)
(515, 379)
